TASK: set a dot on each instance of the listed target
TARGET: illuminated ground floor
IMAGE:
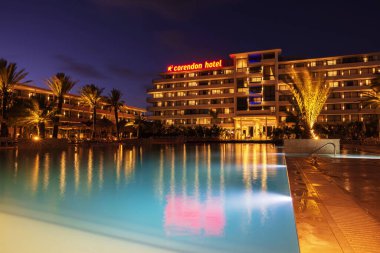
(254, 127)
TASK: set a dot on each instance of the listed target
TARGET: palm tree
(91, 95)
(114, 99)
(9, 76)
(38, 114)
(373, 98)
(310, 94)
(60, 84)
(214, 116)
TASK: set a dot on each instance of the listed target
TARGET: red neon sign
(196, 66)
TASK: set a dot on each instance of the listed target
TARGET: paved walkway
(329, 217)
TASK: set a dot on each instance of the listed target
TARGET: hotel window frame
(332, 73)
(334, 84)
(331, 62)
(241, 64)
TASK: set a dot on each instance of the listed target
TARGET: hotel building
(247, 94)
(75, 116)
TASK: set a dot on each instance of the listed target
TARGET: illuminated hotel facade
(75, 115)
(247, 94)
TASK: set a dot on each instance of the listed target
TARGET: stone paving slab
(344, 226)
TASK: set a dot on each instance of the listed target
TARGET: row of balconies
(199, 106)
(198, 87)
(188, 116)
(331, 67)
(226, 95)
(193, 78)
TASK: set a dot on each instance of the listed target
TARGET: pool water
(181, 198)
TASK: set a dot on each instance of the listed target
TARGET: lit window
(333, 84)
(332, 73)
(256, 79)
(191, 84)
(331, 62)
(157, 95)
(313, 64)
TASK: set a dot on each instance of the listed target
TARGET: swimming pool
(181, 198)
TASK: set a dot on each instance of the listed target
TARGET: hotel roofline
(38, 89)
(281, 59)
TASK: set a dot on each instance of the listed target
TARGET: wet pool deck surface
(337, 201)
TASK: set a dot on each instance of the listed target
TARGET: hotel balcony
(176, 98)
(193, 78)
(199, 87)
(255, 112)
(182, 107)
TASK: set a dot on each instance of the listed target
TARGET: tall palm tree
(60, 84)
(91, 95)
(9, 76)
(310, 94)
(114, 99)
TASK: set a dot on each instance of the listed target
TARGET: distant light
(36, 138)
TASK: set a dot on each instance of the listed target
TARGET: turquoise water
(185, 198)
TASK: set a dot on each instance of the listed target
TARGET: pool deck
(336, 202)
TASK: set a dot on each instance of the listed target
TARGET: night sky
(125, 43)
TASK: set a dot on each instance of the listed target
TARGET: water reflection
(192, 213)
(46, 172)
(90, 168)
(194, 186)
(76, 169)
(35, 174)
(64, 172)
(62, 178)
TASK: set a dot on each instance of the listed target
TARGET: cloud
(169, 9)
(173, 39)
(125, 72)
(83, 69)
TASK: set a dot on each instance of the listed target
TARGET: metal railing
(329, 143)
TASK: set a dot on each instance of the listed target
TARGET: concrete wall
(307, 146)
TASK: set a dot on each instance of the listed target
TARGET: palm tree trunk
(41, 127)
(4, 126)
(117, 123)
(56, 118)
(38, 130)
(93, 122)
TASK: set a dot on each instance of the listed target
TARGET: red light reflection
(189, 216)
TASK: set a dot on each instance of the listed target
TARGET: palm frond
(310, 94)
(60, 84)
(10, 76)
(91, 95)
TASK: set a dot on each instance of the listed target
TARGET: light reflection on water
(220, 195)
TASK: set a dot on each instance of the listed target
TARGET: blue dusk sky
(124, 44)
